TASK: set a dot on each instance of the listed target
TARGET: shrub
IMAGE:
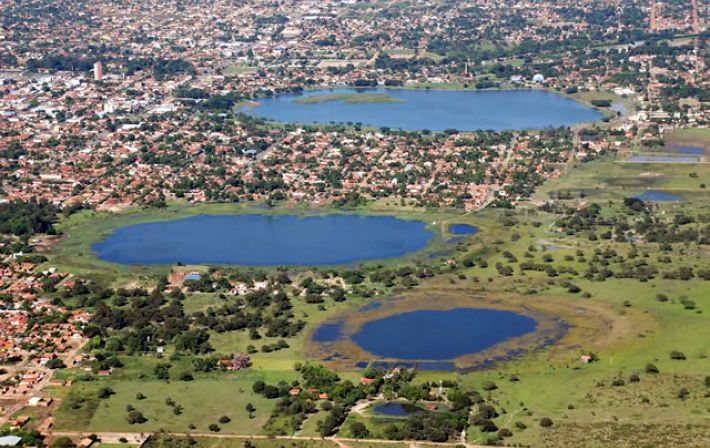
(683, 393)
(651, 368)
(520, 425)
(677, 355)
(214, 427)
(634, 378)
(505, 432)
(224, 419)
(545, 422)
(105, 392)
(487, 425)
(63, 442)
(136, 417)
(489, 385)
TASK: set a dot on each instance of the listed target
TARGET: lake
(440, 334)
(435, 110)
(264, 240)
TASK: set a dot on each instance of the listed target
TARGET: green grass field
(350, 98)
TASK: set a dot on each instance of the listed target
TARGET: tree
(545, 422)
(105, 392)
(359, 430)
(224, 419)
(162, 371)
(63, 442)
(136, 417)
(55, 363)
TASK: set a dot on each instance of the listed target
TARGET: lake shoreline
(553, 329)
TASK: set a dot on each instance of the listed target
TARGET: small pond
(396, 409)
(686, 149)
(462, 229)
(264, 240)
(663, 159)
(658, 196)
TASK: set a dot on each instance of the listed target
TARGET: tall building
(98, 71)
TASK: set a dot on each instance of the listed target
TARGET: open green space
(350, 98)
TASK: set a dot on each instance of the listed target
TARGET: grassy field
(203, 401)
(614, 401)
(690, 137)
(238, 69)
(610, 178)
(350, 98)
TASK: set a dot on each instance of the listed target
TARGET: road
(67, 357)
(139, 437)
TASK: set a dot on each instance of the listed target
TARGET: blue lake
(462, 229)
(658, 196)
(440, 335)
(264, 240)
(435, 110)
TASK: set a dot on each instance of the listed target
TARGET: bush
(683, 393)
(489, 385)
(505, 432)
(63, 442)
(136, 417)
(651, 368)
(677, 355)
(545, 422)
(214, 427)
(520, 425)
(224, 419)
(105, 392)
(487, 425)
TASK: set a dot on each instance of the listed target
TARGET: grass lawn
(203, 402)
(691, 137)
(238, 69)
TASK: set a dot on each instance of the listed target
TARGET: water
(435, 110)
(663, 159)
(658, 196)
(329, 332)
(370, 307)
(440, 335)
(462, 229)
(686, 150)
(264, 240)
(397, 409)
